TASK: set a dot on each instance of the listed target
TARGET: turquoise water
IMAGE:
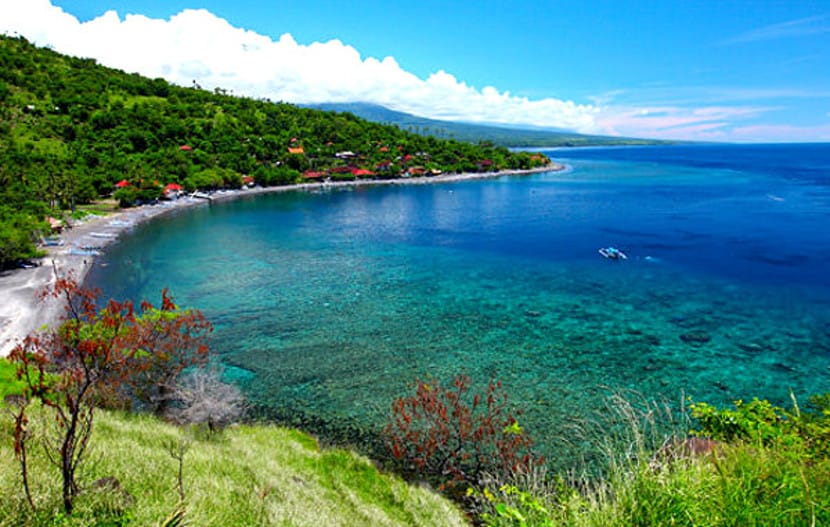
(328, 305)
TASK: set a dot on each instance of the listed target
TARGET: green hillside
(475, 133)
(71, 129)
(249, 475)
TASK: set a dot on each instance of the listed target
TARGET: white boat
(612, 253)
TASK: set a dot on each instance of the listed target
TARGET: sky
(706, 70)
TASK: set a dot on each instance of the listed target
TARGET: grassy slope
(250, 475)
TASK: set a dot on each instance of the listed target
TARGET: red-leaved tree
(96, 351)
(452, 436)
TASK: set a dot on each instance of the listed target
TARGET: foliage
(9, 383)
(259, 475)
(762, 472)
(166, 341)
(92, 353)
(807, 433)
(451, 435)
(19, 229)
(70, 129)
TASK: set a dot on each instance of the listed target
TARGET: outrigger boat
(612, 253)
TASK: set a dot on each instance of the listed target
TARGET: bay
(329, 305)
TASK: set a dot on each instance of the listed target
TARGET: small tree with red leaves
(451, 435)
(167, 341)
(92, 350)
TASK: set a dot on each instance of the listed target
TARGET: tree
(93, 351)
(167, 341)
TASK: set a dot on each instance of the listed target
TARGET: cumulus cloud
(196, 45)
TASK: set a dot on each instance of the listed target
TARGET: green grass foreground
(247, 475)
(768, 466)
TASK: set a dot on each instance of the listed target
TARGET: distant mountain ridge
(502, 135)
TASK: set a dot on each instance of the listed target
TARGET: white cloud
(196, 45)
(675, 122)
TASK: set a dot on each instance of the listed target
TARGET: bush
(202, 398)
(450, 435)
(806, 433)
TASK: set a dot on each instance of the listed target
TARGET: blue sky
(719, 70)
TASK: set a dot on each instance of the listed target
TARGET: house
(346, 154)
(296, 150)
(185, 148)
(310, 174)
(172, 190)
(416, 171)
(122, 184)
(362, 172)
(484, 165)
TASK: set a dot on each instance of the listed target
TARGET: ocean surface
(328, 305)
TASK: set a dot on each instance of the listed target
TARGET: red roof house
(122, 184)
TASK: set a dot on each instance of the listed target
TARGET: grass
(100, 207)
(740, 483)
(9, 385)
(267, 475)
(247, 475)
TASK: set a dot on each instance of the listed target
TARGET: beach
(22, 312)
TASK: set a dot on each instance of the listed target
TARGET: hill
(247, 475)
(71, 129)
(476, 133)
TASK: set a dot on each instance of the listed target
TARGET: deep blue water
(329, 304)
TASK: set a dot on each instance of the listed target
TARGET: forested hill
(71, 129)
(474, 133)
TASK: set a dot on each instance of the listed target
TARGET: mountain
(502, 135)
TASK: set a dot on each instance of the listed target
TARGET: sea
(329, 304)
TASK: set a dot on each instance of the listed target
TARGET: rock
(696, 338)
(532, 313)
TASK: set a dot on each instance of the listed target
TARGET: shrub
(202, 398)
(806, 433)
(451, 436)
(92, 353)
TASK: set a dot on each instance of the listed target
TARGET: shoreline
(21, 312)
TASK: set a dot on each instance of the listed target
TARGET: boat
(612, 253)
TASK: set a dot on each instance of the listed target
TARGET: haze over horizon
(709, 71)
